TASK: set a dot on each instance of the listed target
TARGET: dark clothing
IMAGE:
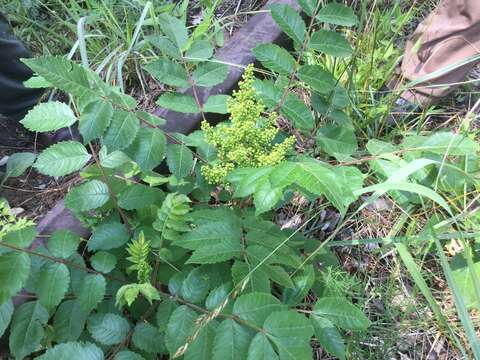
(15, 99)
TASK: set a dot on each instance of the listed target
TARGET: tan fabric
(448, 36)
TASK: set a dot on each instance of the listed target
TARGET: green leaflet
(195, 286)
(201, 348)
(22, 238)
(330, 43)
(216, 104)
(179, 160)
(165, 309)
(200, 50)
(302, 283)
(256, 307)
(166, 46)
(87, 196)
(268, 92)
(148, 338)
(138, 196)
(172, 217)
(73, 350)
(308, 6)
(122, 130)
(311, 175)
(275, 58)
(127, 294)
(210, 74)
(6, 312)
(77, 274)
(291, 333)
(261, 348)
(174, 29)
(337, 14)
(289, 21)
(95, 119)
(53, 283)
(320, 80)
(112, 160)
(103, 261)
(266, 196)
(14, 271)
(180, 327)
(148, 148)
(217, 296)
(257, 281)
(168, 72)
(297, 112)
(69, 321)
(337, 141)
(108, 329)
(213, 242)
(27, 329)
(341, 313)
(328, 336)
(63, 243)
(36, 82)
(19, 162)
(178, 102)
(231, 341)
(108, 236)
(62, 158)
(62, 73)
(128, 355)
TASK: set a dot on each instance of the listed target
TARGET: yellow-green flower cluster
(247, 141)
